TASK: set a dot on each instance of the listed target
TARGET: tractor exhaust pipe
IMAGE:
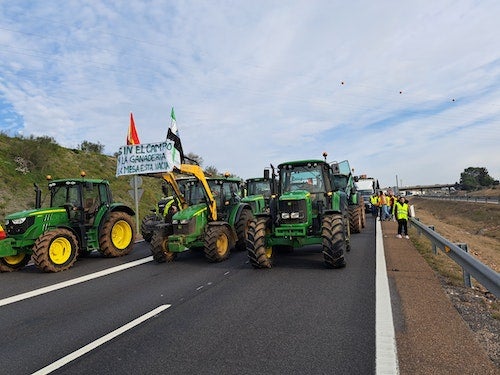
(38, 197)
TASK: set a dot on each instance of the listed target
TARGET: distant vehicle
(367, 186)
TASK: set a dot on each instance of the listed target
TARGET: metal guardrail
(471, 266)
(493, 200)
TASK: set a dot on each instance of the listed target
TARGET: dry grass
(476, 224)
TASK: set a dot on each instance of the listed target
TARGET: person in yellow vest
(374, 202)
(402, 213)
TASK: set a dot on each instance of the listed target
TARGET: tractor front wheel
(260, 255)
(159, 246)
(14, 262)
(217, 243)
(334, 241)
(55, 250)
(117, 235)
(242, 226)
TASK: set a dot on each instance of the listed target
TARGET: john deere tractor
(258, 192)
(166, 206)
(305, 210)
(81, 217)
(212, 218)
(344, 181)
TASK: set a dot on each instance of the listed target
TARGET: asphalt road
(204, 318)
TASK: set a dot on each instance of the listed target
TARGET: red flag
(132, 137)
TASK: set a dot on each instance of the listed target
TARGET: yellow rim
(60, 250)
(14, 259)
(222, 244)
(121, 234)
(269, 252)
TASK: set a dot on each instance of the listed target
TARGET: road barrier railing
(487, 277)
(473, 199)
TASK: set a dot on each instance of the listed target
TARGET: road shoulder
(431, 336)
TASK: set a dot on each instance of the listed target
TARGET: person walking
(402, 213)
(382, 202)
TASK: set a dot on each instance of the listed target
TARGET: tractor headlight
(175, 221)
(185, 221)
(295, 215)
(19, 221)
(285, 215)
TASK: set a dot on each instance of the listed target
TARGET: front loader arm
(197, 172)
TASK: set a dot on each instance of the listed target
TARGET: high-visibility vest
(401, 210)
(373, 200)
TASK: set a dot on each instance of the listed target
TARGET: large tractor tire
(334, 241)
(260, 255)
(217, 243)
(117, 235)
(241, 227)
(14, 262)
(159, 246)
(355, 220)
(55, 250)
(147, 226)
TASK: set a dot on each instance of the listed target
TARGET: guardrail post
(433, 244)
(467, 279)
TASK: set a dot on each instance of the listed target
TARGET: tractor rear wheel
(55, 250)
(217, 243)
(159, 246)
(242, 228)
(117, 235)
(14, 262)
(260, 255)
(334, 241)
(147, 226)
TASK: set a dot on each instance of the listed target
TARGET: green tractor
(82, 217)
(305, 210)
(212, 218)
(344, 181)
(258, 192)
(165, 208)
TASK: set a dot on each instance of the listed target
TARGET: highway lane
(298, 317)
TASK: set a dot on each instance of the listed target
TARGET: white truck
(367, 186)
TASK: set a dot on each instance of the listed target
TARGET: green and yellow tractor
(81, 217)
(306, 209)
(344, 181)
(258, 192)
(211, 217)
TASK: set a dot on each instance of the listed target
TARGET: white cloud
(260, 82)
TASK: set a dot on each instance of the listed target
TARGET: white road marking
(94, 344)
(64, 284)
(386, 356)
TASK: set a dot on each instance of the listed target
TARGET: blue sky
(399, 88)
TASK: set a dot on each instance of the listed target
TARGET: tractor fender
(121, 208)
(231, 230)
(240, 208)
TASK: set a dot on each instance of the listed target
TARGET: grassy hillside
(27, 161)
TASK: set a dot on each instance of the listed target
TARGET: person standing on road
(401, 213)
(374, 202)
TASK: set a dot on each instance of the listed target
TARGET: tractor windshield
(259, 187)
(308, 178)
(63, 194)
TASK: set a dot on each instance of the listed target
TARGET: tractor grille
(292, 211)
(13, 229)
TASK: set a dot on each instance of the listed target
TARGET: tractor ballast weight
(214, 218)
(305, 210)
(82, 217)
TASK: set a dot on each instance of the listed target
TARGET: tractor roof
(302, 162)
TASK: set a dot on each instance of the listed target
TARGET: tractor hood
(34, 212)
(295, 195)
(190, 212)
